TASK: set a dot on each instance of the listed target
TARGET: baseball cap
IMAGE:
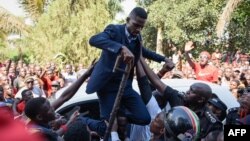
(28, 79)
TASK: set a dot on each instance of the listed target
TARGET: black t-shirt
(208, 121)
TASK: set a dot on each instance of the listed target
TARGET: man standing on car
(124, 40)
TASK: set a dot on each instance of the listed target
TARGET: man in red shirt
(203, 70)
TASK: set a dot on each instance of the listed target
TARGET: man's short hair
(33, 107)
(24, 92)
(140, 12)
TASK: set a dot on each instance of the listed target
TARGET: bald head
(202, 89)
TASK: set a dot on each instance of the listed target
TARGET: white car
(89, 102)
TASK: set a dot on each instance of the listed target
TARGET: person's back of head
(26, 93)
(181, 123)
(33, 107)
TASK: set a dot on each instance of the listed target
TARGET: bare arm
(72, 89)
(188, 47)
(155, 80)
(145, 89)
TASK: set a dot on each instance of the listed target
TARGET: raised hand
(189, 46)
(73, 116)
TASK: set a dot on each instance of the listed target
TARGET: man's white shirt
(142, 133)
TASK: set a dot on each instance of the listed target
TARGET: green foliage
(11, 24)
(63, 27)
(2, 40)
(34, 8)
(149, 35)
(63, 32)
(8, 53)
(239, 27)
(184, 20)
(114, 6)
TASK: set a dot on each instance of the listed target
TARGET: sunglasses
(204, 57)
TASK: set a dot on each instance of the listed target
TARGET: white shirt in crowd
(142, 133)
(69, 78)
(36, 91)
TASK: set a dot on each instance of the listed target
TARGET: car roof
(179, 84)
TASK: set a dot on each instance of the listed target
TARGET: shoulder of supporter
(18, 94)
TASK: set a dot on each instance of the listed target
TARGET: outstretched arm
(146, 53)
(72, 89)
(157, 57)
(167, 93)
(154, 79)
(188, 47)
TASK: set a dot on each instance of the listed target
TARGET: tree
(182, 20)
(114, 6)
(62, 33)
(34, 8)
(11, 24)
(238, 28)
(225, 16)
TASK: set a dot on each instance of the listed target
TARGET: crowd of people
(28, 93)
(213, 68)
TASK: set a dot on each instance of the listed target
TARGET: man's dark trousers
(131, 101)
